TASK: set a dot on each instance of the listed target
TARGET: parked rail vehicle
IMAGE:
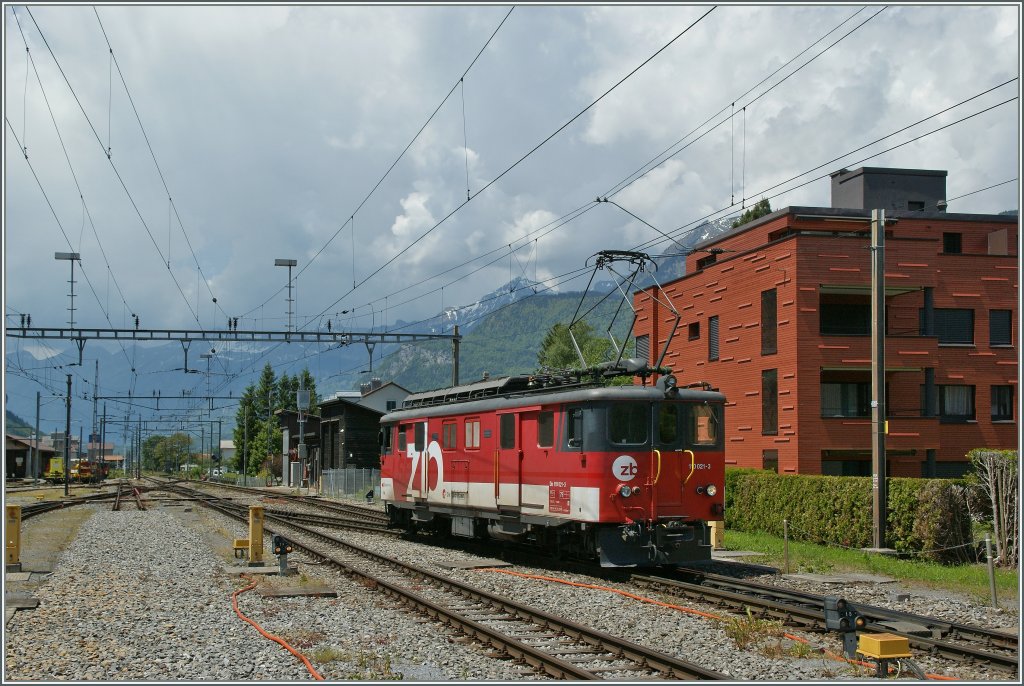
(55, 470)
(629, 475)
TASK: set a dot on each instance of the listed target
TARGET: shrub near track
(924, 515)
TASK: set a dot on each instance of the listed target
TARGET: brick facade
(817, 262)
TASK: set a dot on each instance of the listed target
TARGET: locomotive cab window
(420, 436)
(545, 429)
(574, 427)
(507, 431)
(385, 440)
(627, 424)
(668, 424)
(704, 428)
(402, 444)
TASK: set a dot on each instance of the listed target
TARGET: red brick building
(777, 315)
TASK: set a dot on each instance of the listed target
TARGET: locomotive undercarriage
(663, 543)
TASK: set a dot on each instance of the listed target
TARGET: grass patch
(971, 579)
(753, 632)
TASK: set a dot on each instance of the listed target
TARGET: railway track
(949, 640)
(556, 646)
(350, 511)
(122, 486)
(36, 509)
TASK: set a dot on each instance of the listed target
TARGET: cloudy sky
(269, 131)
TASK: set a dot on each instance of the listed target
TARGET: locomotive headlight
(625, 491)
(711, 490)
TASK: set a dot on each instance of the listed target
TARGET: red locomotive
(629, 475)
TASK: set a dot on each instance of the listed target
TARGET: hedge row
(928, 516)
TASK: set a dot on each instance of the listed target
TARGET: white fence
(353, 483)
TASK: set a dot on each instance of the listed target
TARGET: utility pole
(103, 435)
(95, 404)
(879, 426)
(36, 470)
(302, 403)
(270, 450)
(455, 357)
(245, 443)
(138, 454)
(67, 439)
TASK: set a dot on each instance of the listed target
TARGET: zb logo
(624, 468)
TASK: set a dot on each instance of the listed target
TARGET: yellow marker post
(13, 538)
(255, 535)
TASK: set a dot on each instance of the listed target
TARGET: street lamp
(288, 263)
(71, 257)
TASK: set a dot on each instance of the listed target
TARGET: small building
(348, 434)
(18, 451)
(227, 451)
(383, 397)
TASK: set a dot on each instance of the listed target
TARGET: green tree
(172, 451)
(151, 452)
(557, 351)
(255, 416)
(759, 209)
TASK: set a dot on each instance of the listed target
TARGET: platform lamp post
(71, 257)
(288, 263)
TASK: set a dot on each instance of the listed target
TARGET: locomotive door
(509, 461)
(667, 455)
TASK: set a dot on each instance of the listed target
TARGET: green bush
(926, 516)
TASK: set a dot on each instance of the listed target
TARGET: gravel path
(146, 596)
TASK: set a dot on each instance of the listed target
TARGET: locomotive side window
(574, 427)
(668, 423)
(507, 431)
(704, 425)
(385, 440)
(473, 433)
(448, 429)
(546, 429)
(420, 436)
(627, 423)
(402, 445)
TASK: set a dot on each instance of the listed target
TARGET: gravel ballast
(147, 596)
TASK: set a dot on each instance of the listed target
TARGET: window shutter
(713, 338)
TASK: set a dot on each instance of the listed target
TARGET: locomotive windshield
(627, 423)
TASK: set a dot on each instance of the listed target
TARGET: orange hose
(680, 608)
(272, 637)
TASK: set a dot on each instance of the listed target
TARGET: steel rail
(666, 665)
(807, 610)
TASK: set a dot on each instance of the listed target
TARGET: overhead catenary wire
(389, 169)
(113, 166)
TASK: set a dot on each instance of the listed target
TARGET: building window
(705, 261)
(770, 460)
(643, 347)
(507, 431)
(915, 205)
(770, 402)
(546, 429)
(713, 338)
(846, 399)
(1002, 403)
(956, 403)
(449, 431)
(693, 331)
(952, 243)
(391, 405)
(769, 322)
(1000, 327)
(843, 314)
(954, 325)
(473, 433)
